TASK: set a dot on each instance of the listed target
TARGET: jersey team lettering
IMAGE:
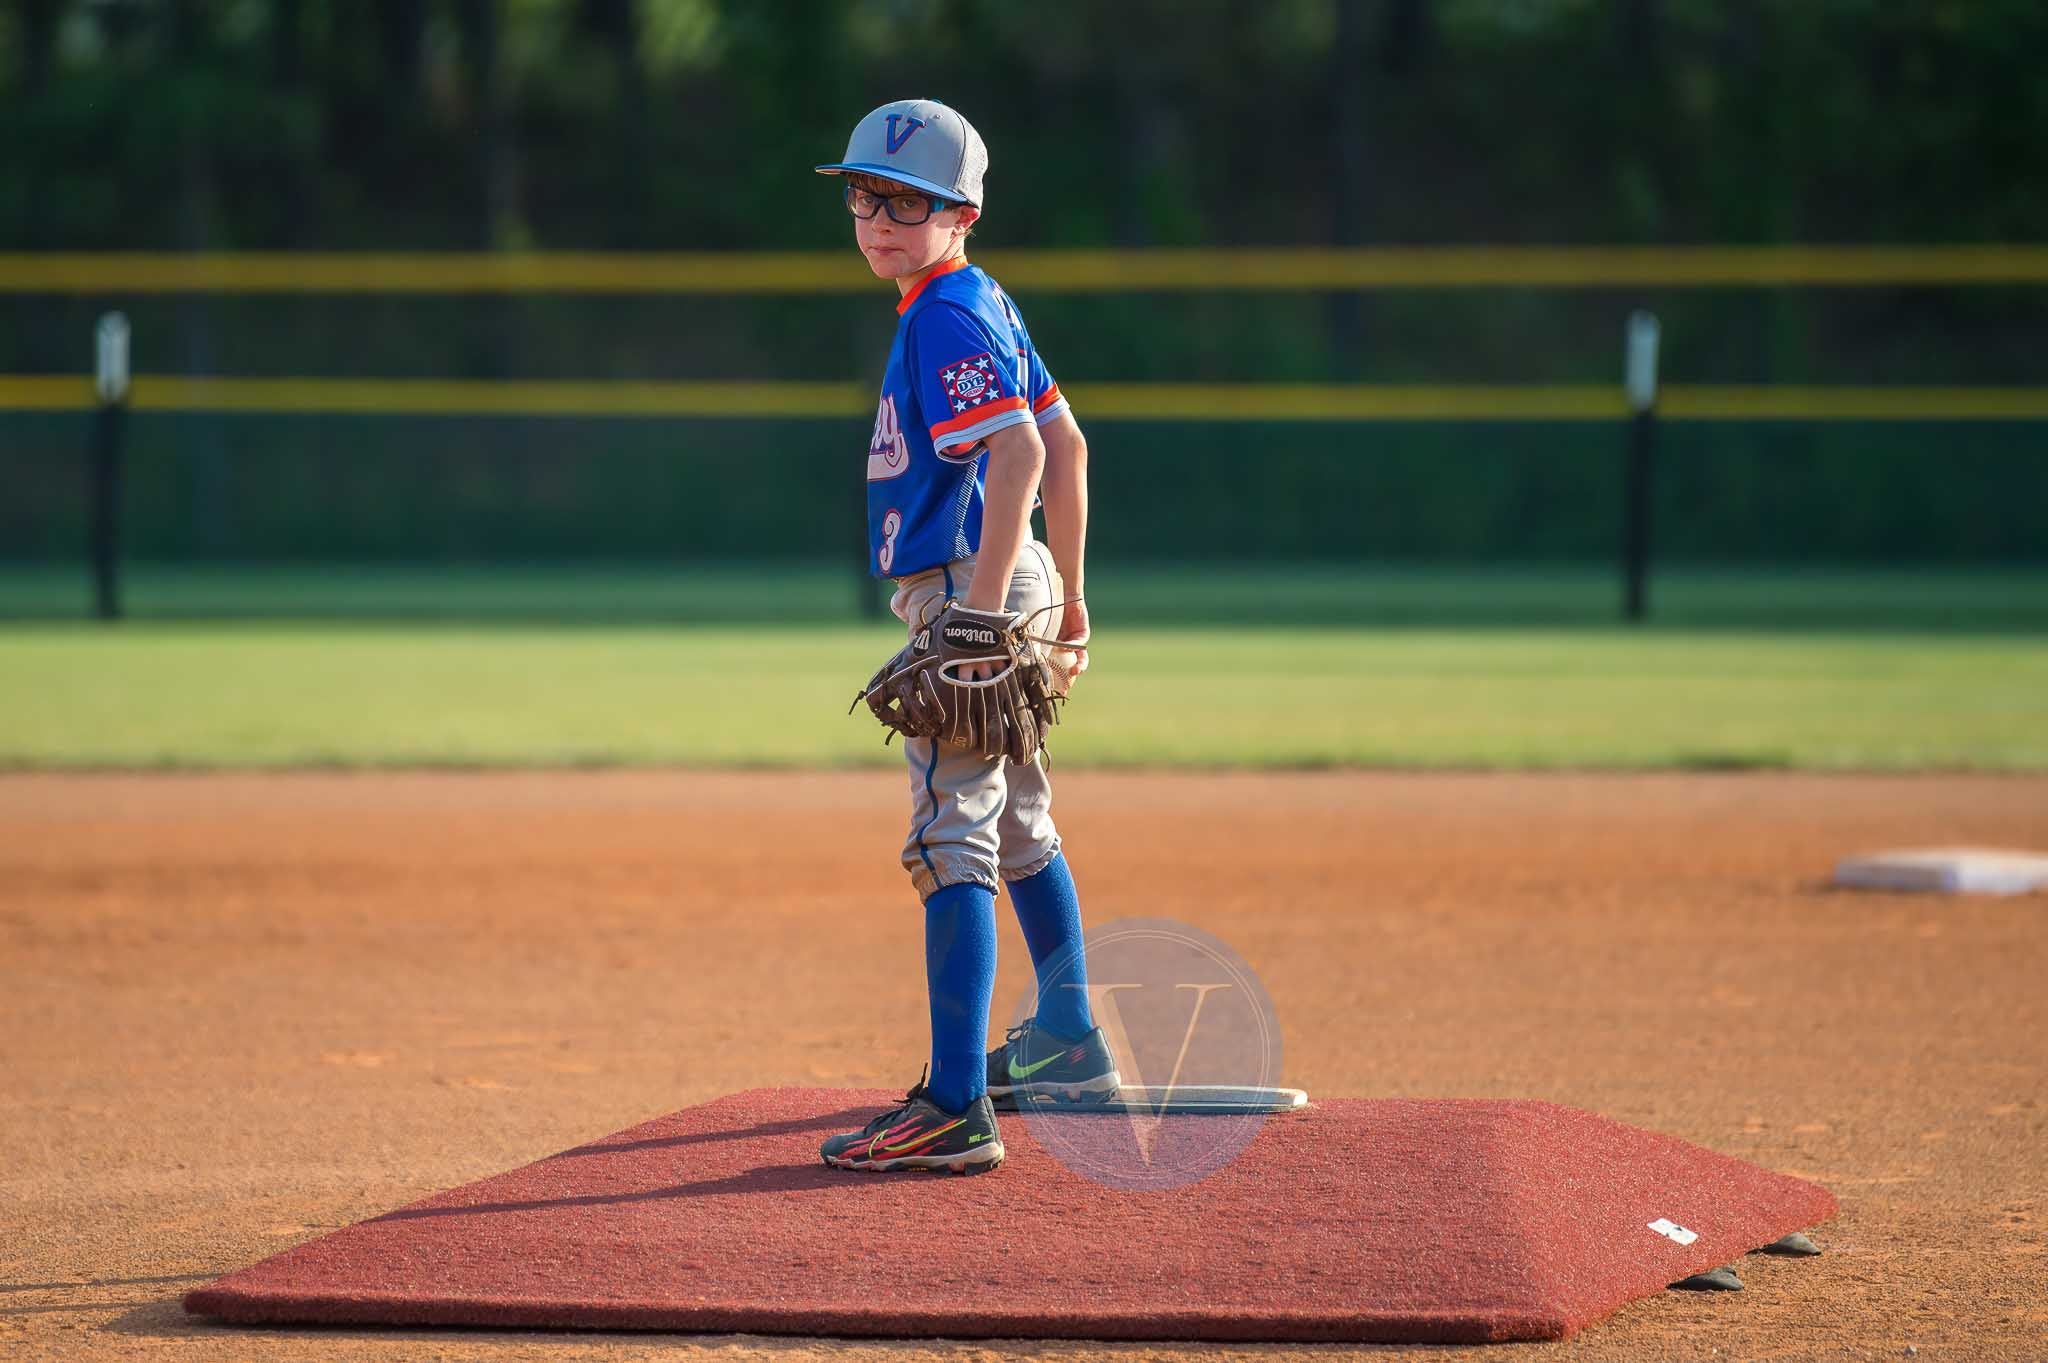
(971, 382)
(888, 455)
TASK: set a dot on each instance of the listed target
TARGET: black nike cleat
(919, 1134)
(1036, 1064)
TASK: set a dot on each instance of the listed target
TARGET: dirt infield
(240, 1010)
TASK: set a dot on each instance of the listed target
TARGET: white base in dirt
(1946, 870)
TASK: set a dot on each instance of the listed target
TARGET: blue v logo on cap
(895, 140)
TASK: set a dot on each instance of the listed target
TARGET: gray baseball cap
(921, 143)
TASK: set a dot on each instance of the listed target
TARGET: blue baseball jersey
(962, 368)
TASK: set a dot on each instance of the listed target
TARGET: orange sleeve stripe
(974, 416)
(1052, 395)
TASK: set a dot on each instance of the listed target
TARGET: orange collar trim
(943, 267)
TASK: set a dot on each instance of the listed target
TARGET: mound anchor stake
(1794, 1245)
(1719, 1280)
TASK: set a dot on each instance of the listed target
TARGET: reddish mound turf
(1437, 1221)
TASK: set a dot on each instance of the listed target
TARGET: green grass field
(1279, 666)
(1831, 599)
(189, 694)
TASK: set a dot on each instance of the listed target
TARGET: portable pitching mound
(1430, 1221)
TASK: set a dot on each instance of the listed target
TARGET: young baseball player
(970, 432)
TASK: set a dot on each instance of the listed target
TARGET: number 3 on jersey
(888, 456)
(892, 525)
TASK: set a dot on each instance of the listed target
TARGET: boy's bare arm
(1016, 458)
(1064, 492)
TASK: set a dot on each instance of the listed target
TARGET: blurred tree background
(690, 124)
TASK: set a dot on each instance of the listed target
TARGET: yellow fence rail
(1106, 401)
(1065, 271)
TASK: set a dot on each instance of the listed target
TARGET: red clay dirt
(1444, 1221)
(241, 1011)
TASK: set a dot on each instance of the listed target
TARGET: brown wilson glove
(920, 693)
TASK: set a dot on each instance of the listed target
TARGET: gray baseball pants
(976, 819)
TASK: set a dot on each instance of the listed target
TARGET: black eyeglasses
(906, 210)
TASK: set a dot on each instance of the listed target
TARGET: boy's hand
(1073, 662)
(1074, 629)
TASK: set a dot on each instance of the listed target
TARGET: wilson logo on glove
(970, 634)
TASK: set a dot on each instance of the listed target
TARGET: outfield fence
(1261, 405)
(1102, 401)
(1163, 269)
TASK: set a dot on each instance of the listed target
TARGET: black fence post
(110, 383)
(1638, 483)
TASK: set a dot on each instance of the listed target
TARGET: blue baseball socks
(1049, 911)
(960, 973)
